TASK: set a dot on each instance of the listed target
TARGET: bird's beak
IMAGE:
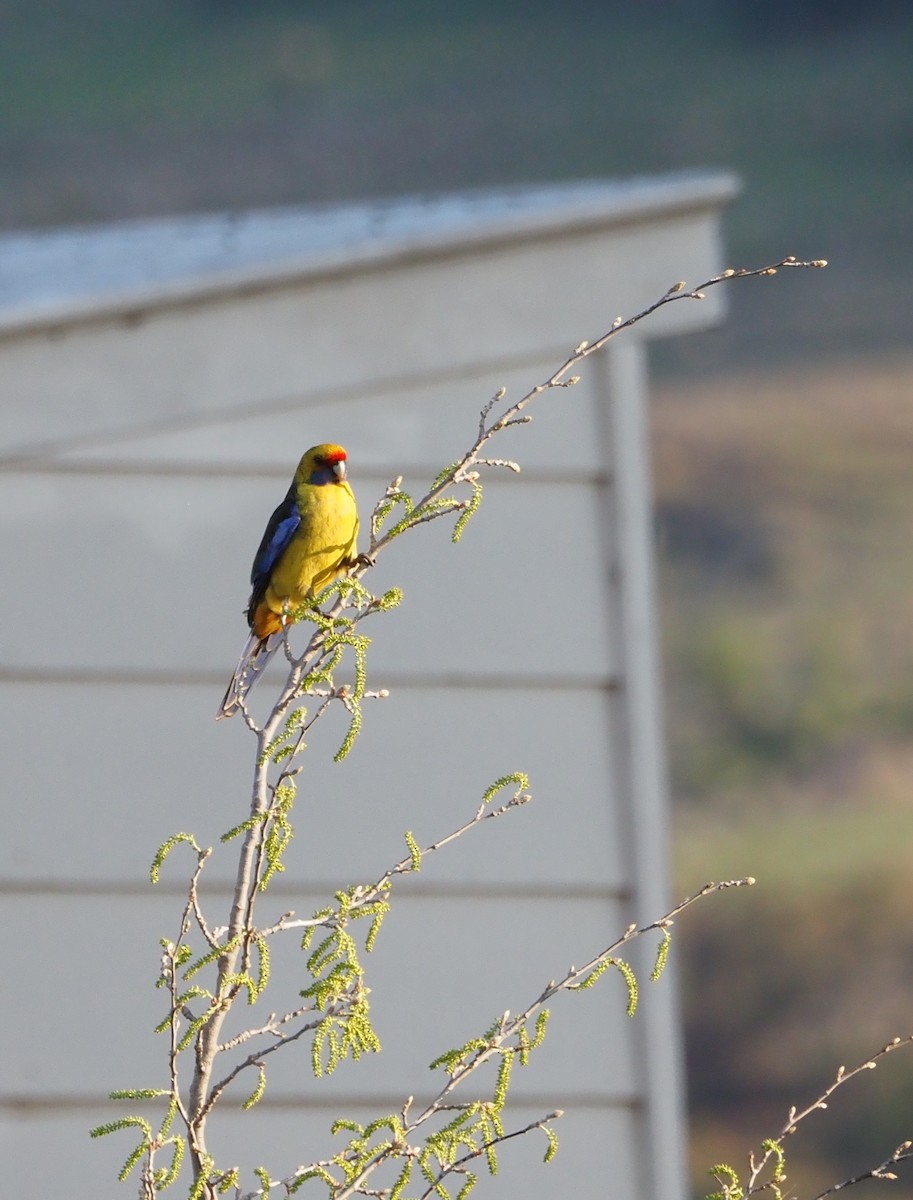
(339, 469)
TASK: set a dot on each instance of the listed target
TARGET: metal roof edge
(602, 204)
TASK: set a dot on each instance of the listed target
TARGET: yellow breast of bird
(324, 542)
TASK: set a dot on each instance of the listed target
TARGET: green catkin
(662, 956)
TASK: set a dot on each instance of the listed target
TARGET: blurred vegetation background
(783, 442)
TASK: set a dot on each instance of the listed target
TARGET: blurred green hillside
(115, 108)
(785, 509)
(784, 442)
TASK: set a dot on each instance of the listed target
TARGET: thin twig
(460, 1164)
(366, 894)
(773, 1147)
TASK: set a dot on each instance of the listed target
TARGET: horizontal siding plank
(404, 428)
(124, 769)
(152, 572)
(596, 1145)
(441, 971)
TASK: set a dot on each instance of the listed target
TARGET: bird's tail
(256, 654)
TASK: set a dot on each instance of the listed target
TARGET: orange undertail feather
(264, 622)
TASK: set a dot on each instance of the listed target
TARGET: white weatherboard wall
(160, 381)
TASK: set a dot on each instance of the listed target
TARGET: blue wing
(257, 652)
(280, 530)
